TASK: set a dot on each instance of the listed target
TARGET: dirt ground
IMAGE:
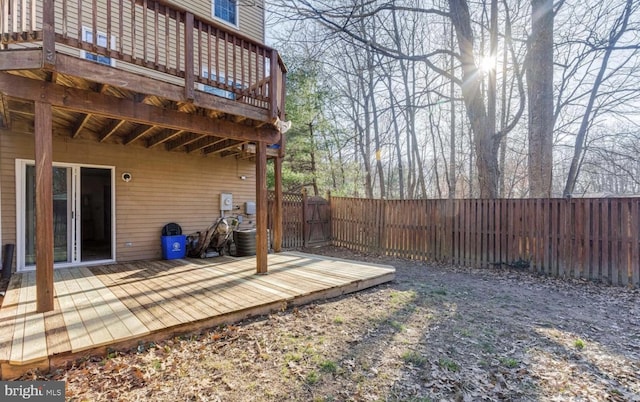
(435, 333)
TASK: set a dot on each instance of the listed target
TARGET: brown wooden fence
(595, 239)
(292, 223)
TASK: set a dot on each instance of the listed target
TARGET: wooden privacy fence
(595, 239)
(292, 212)
(306, 220)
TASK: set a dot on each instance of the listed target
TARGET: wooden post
(330, 228)
(274, 70)
(277, 216)
(48, 34)
(261, 207)
(44, 207)
(189, 79)
(304, 217)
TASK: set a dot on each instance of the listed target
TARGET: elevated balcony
(139, 72)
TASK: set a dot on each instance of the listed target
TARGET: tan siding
(166, 187)
(251, 15)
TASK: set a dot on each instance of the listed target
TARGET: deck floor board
(112, 304)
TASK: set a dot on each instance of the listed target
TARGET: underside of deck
(116, 306)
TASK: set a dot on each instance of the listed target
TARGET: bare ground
(436, 333)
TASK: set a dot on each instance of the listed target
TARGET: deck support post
(261, 207)
(44, 206)
(277, 210)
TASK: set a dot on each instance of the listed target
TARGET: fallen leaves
(438, 333)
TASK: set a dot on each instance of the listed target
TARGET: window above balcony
(225, 11)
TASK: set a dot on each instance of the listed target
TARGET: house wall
(166, 187)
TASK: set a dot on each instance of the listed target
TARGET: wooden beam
(164, 137)
(251, 150)
(183, 141)
(221, 146)
(111, 129)
(80, 125)
(4, 112)
(152, 86)
(277, 210)
(117, 108)
(202, 143)
(44, 207)
(261, 208)
(21, 59)
(137, 133)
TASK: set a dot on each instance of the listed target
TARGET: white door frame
(76, 229)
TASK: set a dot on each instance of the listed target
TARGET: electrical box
(226, 201)
(250, 208)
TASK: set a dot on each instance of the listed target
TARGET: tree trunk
(485, 141)
(452, 140)
(539, 68)
(314, 180)
(396, 131)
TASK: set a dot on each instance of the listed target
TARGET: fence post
(304, 217)
(330, 217)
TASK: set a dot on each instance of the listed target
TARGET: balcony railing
(153, 35)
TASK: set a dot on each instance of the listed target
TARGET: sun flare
(486, 63)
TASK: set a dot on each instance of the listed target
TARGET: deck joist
(116, 306)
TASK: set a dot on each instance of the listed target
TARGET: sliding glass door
(62, 216)
(82, 214)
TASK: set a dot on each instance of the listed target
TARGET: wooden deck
(116, 306)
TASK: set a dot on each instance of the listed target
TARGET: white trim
(76, 232)
(213, 15)
(83, 53)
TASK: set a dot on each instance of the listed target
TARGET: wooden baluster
(167, 29)
(242, 81)
(226, 58)
(234, 67)
(156, 29)
(79, 24)
(177, 35)
(209, 54)
(189, 79)
(217, 55)
(109, 34)
(249, 53)
(121, 25)
(144, 31)
(94, 23)
(133, 30)
(200, 72)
